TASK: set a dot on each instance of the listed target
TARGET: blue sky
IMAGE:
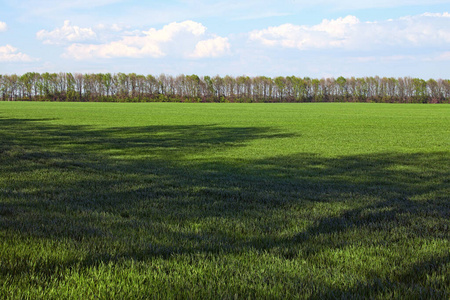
(320, 38)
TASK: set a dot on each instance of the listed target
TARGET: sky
(321, 38)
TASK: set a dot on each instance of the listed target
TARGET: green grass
(166, 200)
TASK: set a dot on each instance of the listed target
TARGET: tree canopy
(131, 87)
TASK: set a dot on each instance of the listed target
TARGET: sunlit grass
(224, 200)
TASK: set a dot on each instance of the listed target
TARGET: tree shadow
(135, 192)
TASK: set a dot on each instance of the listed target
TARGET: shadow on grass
(134, 194)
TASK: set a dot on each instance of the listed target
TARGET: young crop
(163, 200)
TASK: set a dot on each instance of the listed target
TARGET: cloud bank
(429, 29)
(67, 33)
(211, 48)
(187, 39)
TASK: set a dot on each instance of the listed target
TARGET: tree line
(123, 87)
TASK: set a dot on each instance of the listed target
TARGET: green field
(163, 200)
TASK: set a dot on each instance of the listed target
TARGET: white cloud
(168, 32)
(211, 48)
(67, 33)
(443, 15)
(10, 54)
(123, 48)
(329, 33)
(174, 38)
(3, 26)
(352, 34)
